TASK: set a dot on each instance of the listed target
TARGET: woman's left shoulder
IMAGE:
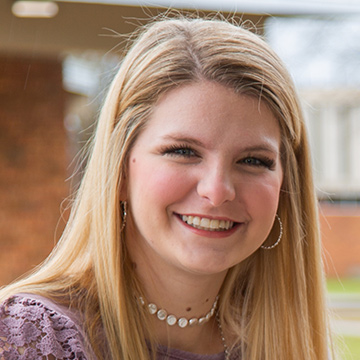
(33, 327)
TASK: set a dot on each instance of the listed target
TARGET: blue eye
(184, 152)
(253, 161)
(180, 151)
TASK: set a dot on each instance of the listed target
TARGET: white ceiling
(286, 7)
(81, 25)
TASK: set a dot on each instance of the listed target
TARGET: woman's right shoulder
(33, 327)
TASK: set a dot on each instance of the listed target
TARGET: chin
(207, 267)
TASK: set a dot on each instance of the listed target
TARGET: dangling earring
(279, 238)
(123, 206)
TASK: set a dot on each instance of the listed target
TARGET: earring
(123, 205)
(279, 238)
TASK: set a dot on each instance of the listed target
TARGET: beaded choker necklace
(182, 322)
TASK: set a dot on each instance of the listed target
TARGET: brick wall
(33, 161)
(340, 230)
(33, 168)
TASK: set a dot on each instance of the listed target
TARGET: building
(43, 105)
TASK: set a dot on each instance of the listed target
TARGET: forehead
(212, 112)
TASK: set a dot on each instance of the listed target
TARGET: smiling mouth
(207, 224)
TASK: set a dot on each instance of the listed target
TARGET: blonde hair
(273, 302)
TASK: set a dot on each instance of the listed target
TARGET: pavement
(346, 314)
(346, 327)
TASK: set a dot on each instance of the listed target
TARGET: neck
(179, 292)
(182, 292)
(183, 295)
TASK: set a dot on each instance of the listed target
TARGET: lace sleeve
(31, 330)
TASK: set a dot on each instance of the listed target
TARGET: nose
(216, 186)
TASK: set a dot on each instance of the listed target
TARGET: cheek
(162, 183)
(262, 196)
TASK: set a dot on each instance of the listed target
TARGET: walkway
(346, 310)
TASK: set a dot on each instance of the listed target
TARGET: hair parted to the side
(273, 301)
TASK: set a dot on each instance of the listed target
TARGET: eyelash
(173, 150)
(260, 162)
(188, 152)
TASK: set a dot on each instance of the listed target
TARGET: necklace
(182, 322)
(226, 349)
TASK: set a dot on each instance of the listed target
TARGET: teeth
(207, 224)
(214, 224)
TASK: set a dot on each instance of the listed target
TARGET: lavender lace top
(33, 327)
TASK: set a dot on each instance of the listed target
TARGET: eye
(259, 162)
(179, 151)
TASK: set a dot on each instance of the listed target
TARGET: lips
(207, 224)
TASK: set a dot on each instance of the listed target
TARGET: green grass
(345, 286)
(350, 348)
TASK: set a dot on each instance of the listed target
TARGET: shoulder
(164, 353)
(33, 327)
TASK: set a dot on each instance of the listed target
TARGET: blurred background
(57, 59)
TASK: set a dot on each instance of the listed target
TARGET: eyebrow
(262, 147)
(267, 147)
(185, 139)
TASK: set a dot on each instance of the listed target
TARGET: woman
(194, 232)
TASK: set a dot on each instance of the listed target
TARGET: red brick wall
(33, 169)
(340, 229)
(33, 161)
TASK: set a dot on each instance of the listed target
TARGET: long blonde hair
(273, 302)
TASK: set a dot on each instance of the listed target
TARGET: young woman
(194, 233)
